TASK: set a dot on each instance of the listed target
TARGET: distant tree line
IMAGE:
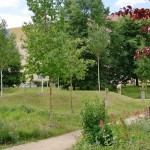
(116, 62)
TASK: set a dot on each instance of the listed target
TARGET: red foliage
(101, 123)
(145, 51)
(145, 29)
(135, 14)
(120, 124)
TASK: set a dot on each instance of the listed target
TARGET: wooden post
(58, 83)
(42, 86)
(1, 83)
(51, 105)
(70, 88)
(99, 85)
(149, 112)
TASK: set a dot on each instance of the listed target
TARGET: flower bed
(101, 131)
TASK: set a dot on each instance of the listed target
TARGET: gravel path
(62, 142)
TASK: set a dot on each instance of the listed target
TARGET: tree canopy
(78, 13)
(126, 39)
(7, 49)
(137, 15)
(98, 40)
(51, 52)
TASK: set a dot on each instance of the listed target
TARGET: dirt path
(62, 142)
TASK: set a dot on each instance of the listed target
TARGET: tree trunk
(1, 83)
(136, 81)
(74, 87)
(98, 75)
(47, 85)
(71, 105)
(42, 86)
(51, 105)
(58, 83)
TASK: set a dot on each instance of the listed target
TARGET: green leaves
(7, 47)
(75, 65)
(143, 68)
(46, 50)
(92, 114)
(98, 39)
(44, 11)
(77, 13)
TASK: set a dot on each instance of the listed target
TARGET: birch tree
(98, 39)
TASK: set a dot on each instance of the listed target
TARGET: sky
(15, 12)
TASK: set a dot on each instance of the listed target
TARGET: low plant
(134, 136)
(7, 134)
(124, 136)
(26, 108)
(94, 123)
(132, 133)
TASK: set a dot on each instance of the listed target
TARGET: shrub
(26, 108)
(94, 122)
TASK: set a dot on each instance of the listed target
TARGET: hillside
(24, 114)
(61, 99)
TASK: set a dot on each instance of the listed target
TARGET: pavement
(62, 142)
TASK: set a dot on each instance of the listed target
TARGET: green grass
(24, 114)
(134, 92)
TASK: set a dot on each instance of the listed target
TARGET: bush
(94, 122)
(26, 108)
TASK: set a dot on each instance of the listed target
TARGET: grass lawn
(24, 114)
(134, 92)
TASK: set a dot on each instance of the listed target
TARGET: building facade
(19, 36)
